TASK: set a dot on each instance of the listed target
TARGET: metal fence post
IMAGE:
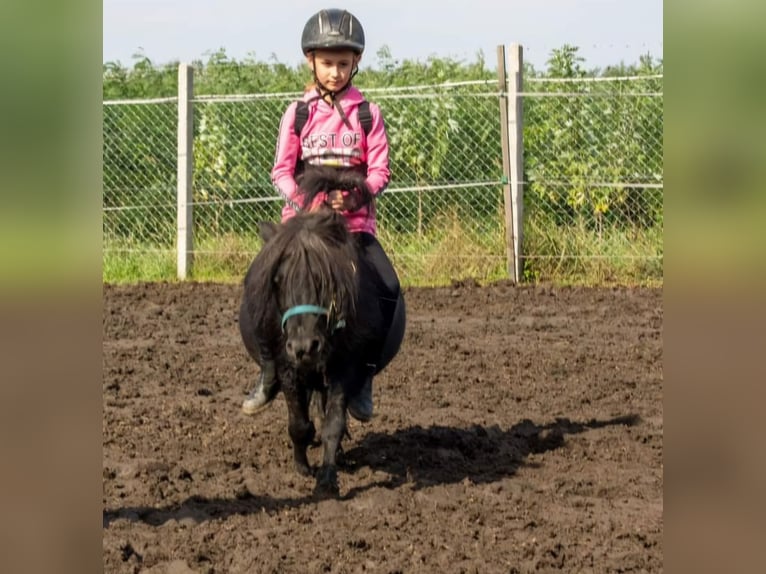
(185, 239)
(516, 153)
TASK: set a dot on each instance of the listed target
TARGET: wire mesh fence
(593, 177)
(593, 181)
(139, 174)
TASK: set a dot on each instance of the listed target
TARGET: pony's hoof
(303, 469)
(327, 484)
(324, 491)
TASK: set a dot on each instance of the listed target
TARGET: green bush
(576, 135)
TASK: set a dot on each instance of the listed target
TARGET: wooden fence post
(504, 140)
(185, 160)
(516, 149)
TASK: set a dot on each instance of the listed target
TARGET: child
(334, 135)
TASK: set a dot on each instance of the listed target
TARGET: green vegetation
(446, 152)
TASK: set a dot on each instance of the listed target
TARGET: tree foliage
(450, 137)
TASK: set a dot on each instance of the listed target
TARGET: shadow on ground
(415, 455)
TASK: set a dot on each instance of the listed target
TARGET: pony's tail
(319, 179)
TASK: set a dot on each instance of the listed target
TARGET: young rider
(334, 135)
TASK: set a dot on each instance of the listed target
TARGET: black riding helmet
(333, 29)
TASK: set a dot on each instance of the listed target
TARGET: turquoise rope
(302, 310)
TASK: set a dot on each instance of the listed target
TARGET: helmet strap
(324, 92)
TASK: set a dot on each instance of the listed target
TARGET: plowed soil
(518, 430)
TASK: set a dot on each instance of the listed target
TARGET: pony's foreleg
(299, 426)
(333, 429)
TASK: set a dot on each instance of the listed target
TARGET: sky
(606, 31)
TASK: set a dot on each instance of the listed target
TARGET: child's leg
(266, 387)
(361, 406)
(376, 257)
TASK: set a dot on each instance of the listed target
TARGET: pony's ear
(267, 230)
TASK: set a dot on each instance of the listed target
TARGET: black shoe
(360, 406)
(264, 392)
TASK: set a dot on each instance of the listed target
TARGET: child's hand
(337, 201)
(320, 200)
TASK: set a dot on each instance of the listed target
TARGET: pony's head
(308, 272)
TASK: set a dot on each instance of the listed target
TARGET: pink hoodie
(326, 140)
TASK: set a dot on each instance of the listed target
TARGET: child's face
(333, 68)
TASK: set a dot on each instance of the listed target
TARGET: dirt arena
(518, 430)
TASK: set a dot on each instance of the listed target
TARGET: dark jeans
(372, 253)
(390, 298)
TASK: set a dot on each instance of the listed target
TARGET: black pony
(310, 297)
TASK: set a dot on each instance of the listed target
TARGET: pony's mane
(319, 179)
(311, 257)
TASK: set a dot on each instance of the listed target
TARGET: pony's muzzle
(303, 349)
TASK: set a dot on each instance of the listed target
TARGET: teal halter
(305, 309)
